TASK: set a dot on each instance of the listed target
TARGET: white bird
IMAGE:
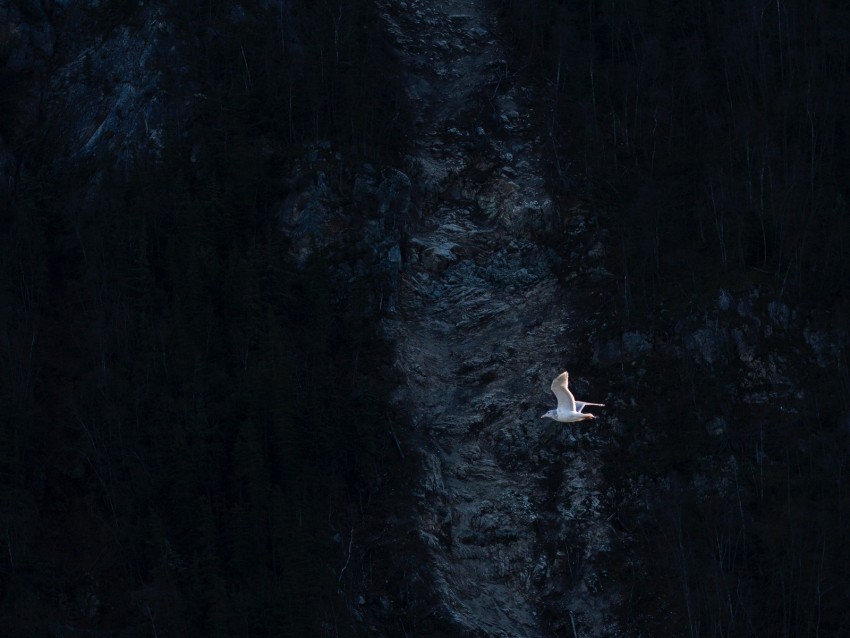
(568, 409)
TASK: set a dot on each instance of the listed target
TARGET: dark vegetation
(715, 134)
(170, 463)
(714, 140)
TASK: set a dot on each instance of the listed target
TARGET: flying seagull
(568, 409)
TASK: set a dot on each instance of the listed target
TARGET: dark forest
(169, 460)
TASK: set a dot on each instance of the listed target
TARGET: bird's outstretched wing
(581, 404)
(566, 400)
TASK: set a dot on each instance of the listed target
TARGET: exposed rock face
(509, 505)
(115, 92)
(364, 244)
(83, 81)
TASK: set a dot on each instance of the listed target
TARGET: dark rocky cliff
(221, 214)
(510, 510)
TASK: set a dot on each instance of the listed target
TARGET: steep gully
(510, 507)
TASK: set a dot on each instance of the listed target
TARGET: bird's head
(551, 414)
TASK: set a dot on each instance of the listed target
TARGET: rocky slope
(108, 94)
(509, 506)
(489, 287)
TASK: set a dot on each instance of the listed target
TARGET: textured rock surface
(509, 505)
(87, 82)
(113, 85)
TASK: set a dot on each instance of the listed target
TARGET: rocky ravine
(510, 508)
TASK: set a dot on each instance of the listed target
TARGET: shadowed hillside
(193, 427)
(712, 140)
(283, 285)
